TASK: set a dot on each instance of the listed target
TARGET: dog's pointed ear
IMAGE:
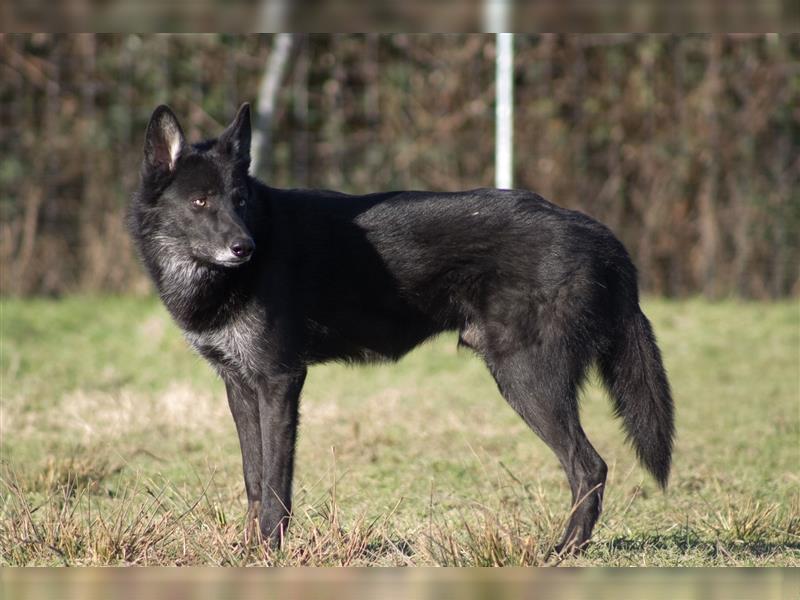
(163, 141)
(235, 140)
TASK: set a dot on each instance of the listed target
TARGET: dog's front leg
(278, 401)
(243, 401)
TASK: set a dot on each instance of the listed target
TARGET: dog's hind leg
(243, 402)
(541, 384)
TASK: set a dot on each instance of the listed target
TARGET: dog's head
(198, 196)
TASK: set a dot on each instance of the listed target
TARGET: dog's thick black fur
(265, 282)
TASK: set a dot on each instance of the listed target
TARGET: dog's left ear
(236, 138)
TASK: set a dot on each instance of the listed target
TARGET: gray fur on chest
(232, 346)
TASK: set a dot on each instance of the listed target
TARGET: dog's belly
(367, 337)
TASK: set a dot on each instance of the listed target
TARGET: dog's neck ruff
(199, 296)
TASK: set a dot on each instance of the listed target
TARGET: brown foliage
(686, 146)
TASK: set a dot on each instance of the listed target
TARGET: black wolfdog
(265, 282)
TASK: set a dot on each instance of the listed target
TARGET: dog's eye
(199, 202)
(241, 201)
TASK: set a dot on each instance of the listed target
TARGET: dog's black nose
(243, 248)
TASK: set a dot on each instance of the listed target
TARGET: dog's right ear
(163, 141)
(235, 140)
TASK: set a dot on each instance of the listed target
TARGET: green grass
(117, 448)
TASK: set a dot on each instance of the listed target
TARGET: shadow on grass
(690, 542)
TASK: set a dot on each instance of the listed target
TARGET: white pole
(504, 135)
(495, 16)
(496, 20)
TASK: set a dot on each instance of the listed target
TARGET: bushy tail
(635, 377)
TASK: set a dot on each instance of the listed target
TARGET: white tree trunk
(265, 108)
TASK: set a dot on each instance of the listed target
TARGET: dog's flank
(265, 282)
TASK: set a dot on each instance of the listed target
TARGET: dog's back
(383, 272)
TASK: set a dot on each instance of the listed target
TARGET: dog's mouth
(229, 259)
(232, 261)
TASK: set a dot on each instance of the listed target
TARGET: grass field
(118, 448)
